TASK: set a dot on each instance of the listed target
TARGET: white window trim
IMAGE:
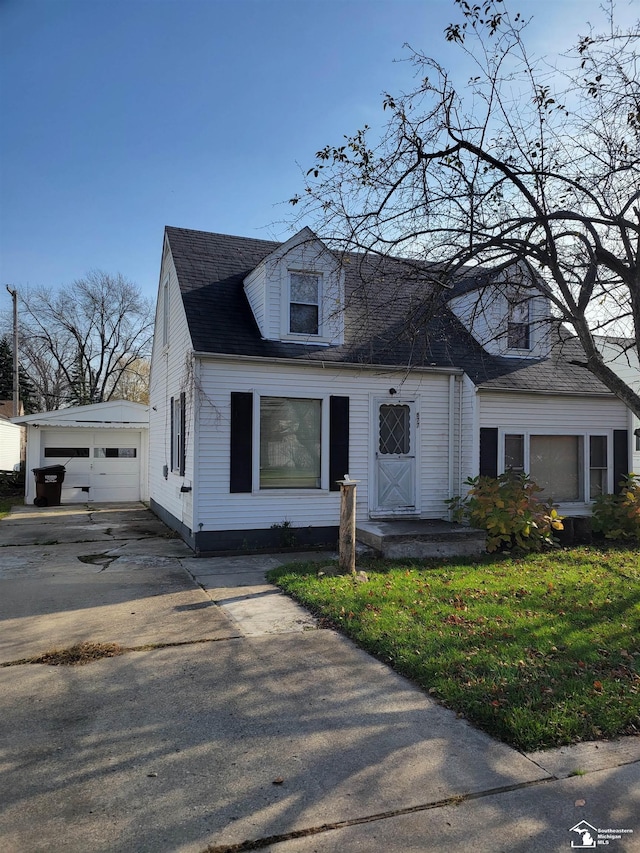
(165, 313)
(178, 438)
(322, 337)
(585, 435)
(324, 443)
(513, 302)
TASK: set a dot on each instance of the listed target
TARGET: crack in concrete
(261, 843)
(147, 647)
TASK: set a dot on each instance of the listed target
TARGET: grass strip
(539, 651)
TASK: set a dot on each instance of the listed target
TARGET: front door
(395, 459)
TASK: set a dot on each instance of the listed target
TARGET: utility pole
(16, 375)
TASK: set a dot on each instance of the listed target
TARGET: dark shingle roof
(394, 315)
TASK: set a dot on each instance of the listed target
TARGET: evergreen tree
(27, 393)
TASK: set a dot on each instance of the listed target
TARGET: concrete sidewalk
(262, 728)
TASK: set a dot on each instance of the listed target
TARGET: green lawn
(7, 503)
(538, 651)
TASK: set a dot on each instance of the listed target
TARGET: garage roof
(115, 414)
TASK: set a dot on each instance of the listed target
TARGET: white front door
(395, 458)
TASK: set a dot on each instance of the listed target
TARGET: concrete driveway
(233, 723)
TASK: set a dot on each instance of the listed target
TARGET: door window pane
(556, 466)
(289, 443)
(66, 452)
(395, 435)
(514, 453)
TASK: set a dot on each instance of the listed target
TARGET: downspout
(460, 382)
(452, 435)
(195, 447)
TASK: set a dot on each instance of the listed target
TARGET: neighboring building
(103, 447)
(11, 438)
(278, 368)
(622, 356)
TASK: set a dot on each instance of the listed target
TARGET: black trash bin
(49, 482)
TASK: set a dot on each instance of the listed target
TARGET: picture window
(290, 442)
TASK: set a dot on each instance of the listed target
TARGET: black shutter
(338, 440)
(488, 452)
(183, 438)
(241, 465)
(621, 465)
(171, 436)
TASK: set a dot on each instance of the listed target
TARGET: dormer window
(519, 324)
(304, 303)
(296, 293)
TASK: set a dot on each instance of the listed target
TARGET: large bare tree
(531, 161)
(81, 342)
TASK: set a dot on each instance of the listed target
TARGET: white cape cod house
(279, 368)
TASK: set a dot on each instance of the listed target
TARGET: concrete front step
(421, 538)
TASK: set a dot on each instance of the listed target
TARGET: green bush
(11, 483)
(508, 509)
(617, 516)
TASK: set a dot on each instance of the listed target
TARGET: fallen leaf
(597, 685)
(278, 780)
(580, 802)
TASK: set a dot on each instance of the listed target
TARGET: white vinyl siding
(486, 314)
(9, 445)
(559, 417)
(625, 363)
(468, 448)
(168, 378)
(220, 510)
(268, 290)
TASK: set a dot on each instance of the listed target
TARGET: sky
(119, 117)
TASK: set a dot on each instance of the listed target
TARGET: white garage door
(101, 465)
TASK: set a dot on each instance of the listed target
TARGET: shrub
(508, 509)
(617, 516)
(11, 482)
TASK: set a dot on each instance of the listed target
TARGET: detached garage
(103, 447)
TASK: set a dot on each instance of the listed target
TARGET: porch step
(421, 538)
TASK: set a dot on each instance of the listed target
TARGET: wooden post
(347, 542)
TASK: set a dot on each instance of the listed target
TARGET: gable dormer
(505, 314)
(297, 293)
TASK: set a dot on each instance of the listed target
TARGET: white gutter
(293, 362)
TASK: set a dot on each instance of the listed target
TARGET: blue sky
(119, 118)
